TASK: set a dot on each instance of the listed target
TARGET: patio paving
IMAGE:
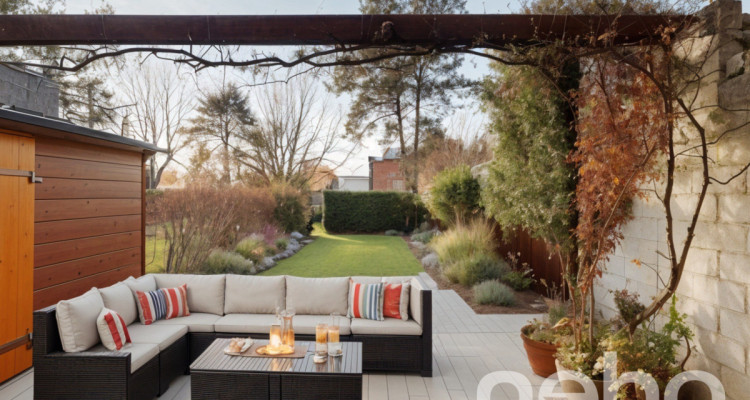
(466, 347)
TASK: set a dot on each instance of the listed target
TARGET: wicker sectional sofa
(220, 306)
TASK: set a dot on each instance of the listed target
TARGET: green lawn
(154, 254)
(348, 255)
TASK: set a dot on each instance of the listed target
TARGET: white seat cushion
(119, 299)
(305, 324)
(317, 296)
(161, 335)
(247, 294)
(195, 322)
(245, 323)
(205, 293)
(140, 353)
(76, 321)
(391, 326)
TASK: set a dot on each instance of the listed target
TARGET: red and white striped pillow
(176, 299)
(112, 329)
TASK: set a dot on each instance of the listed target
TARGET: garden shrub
(393, 232)
(253, 248)
(519, 279)
(291, 212)
(494, 292)
(372, 211)
(477, 268)
(424, 237)
(227, 262)
(463, 241)
(281, 244)
(455, 195)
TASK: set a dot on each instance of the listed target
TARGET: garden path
(467, 346)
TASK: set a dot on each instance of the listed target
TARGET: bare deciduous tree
(160, 104)
(297, 130)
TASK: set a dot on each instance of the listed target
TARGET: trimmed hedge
(371, 211)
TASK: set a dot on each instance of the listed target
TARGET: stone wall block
(736, 63)
(702, 261)
(723, 236)
(737, 185)
(683, 207)
(734, 267)
(734, 325)
(732, 297)
(706, 288)
(723, 350)
(734, 208)
(735, 384)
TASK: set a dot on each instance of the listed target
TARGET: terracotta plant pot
(541, 355)
(571, 386)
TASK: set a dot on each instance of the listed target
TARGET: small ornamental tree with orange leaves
(621, 133)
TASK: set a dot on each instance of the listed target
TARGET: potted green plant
(651, 353)
(541, 338)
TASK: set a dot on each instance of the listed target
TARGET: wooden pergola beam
(445, 30)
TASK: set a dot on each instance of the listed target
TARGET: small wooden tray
(299, 352)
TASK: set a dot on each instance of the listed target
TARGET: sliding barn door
(16, 253)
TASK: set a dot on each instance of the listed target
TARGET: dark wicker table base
(217, 376)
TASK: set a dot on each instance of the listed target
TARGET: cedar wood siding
(88, 218)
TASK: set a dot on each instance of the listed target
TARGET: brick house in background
(385, 172)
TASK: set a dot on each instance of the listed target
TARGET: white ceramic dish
(245, 347)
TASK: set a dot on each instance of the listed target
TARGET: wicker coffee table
(215, 375)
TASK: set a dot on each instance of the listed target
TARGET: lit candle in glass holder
(274, 340)
(334, 344)
(321, 346)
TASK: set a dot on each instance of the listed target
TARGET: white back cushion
(415, 300)
(145, 283)
(76, 321)
(317, 296)
(119, 299)
(205, 293)
(247, 294)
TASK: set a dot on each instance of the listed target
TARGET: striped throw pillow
(112, 330)
(176, 299)
(152, 306)
(366, 301)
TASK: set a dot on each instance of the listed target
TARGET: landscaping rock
(296, 235)
(306, 242)
(268, 262)
(430, 261)
(418, 245)
(293, 245)
(288, 253)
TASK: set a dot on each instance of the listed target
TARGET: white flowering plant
(650, 353)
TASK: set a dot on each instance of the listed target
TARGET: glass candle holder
(274, 338)
(321, 343)
(334, 344)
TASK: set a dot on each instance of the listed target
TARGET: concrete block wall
(25, 89)
(715, 288)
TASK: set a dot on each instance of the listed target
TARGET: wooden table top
(214, 359)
